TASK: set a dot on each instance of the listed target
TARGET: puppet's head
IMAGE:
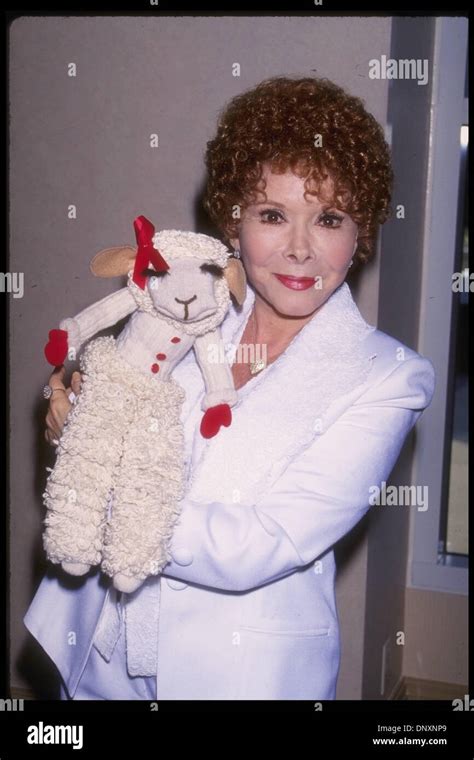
(185, 276)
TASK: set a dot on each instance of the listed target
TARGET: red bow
(146, 253)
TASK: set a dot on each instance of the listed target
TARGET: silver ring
(48, 391)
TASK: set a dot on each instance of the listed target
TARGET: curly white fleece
(124, 434)
(176, 244)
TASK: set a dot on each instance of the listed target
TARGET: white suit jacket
(246, 608)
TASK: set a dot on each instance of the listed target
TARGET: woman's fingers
(76, 381)
(56, 379)
(50, 437)
(59, 406)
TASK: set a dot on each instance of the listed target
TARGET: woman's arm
(317, 500)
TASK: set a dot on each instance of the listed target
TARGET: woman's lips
(295, 283)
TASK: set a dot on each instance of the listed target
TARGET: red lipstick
(295, 283)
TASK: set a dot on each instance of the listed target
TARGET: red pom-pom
(56, 348)
(213, 418)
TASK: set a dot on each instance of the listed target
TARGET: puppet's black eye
(214, 269)
(154, 273)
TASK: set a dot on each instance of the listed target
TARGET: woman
(299, 178)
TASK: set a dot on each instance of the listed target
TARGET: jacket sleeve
(318, 499)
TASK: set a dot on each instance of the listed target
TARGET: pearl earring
(351, 263)
(237, 253)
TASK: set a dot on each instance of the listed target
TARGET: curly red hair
(276, 122)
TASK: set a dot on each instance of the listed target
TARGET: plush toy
(124, 436)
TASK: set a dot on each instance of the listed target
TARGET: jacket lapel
(282, 409)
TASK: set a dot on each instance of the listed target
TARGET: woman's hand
(59, 404)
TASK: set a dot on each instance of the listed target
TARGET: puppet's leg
(87, 457)
(149, 485)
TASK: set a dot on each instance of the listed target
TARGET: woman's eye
(328, 220)
(268, 213)
(331, 220)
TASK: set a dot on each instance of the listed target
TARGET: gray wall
(398, 315)
(85, 141)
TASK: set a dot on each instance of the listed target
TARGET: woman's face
(288, 236)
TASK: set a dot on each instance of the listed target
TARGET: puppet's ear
(236, 278)
(112, 262)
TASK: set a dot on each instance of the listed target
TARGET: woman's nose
(301, 256)
(300, 245)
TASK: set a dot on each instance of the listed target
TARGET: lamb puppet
(124, 436)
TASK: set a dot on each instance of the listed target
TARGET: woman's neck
(273, 329)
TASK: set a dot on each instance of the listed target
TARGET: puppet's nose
(186, 304)
(190, 300)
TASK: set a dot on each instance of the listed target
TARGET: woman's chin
(299, 304)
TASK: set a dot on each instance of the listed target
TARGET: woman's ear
(113, 262)
(236, 278)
